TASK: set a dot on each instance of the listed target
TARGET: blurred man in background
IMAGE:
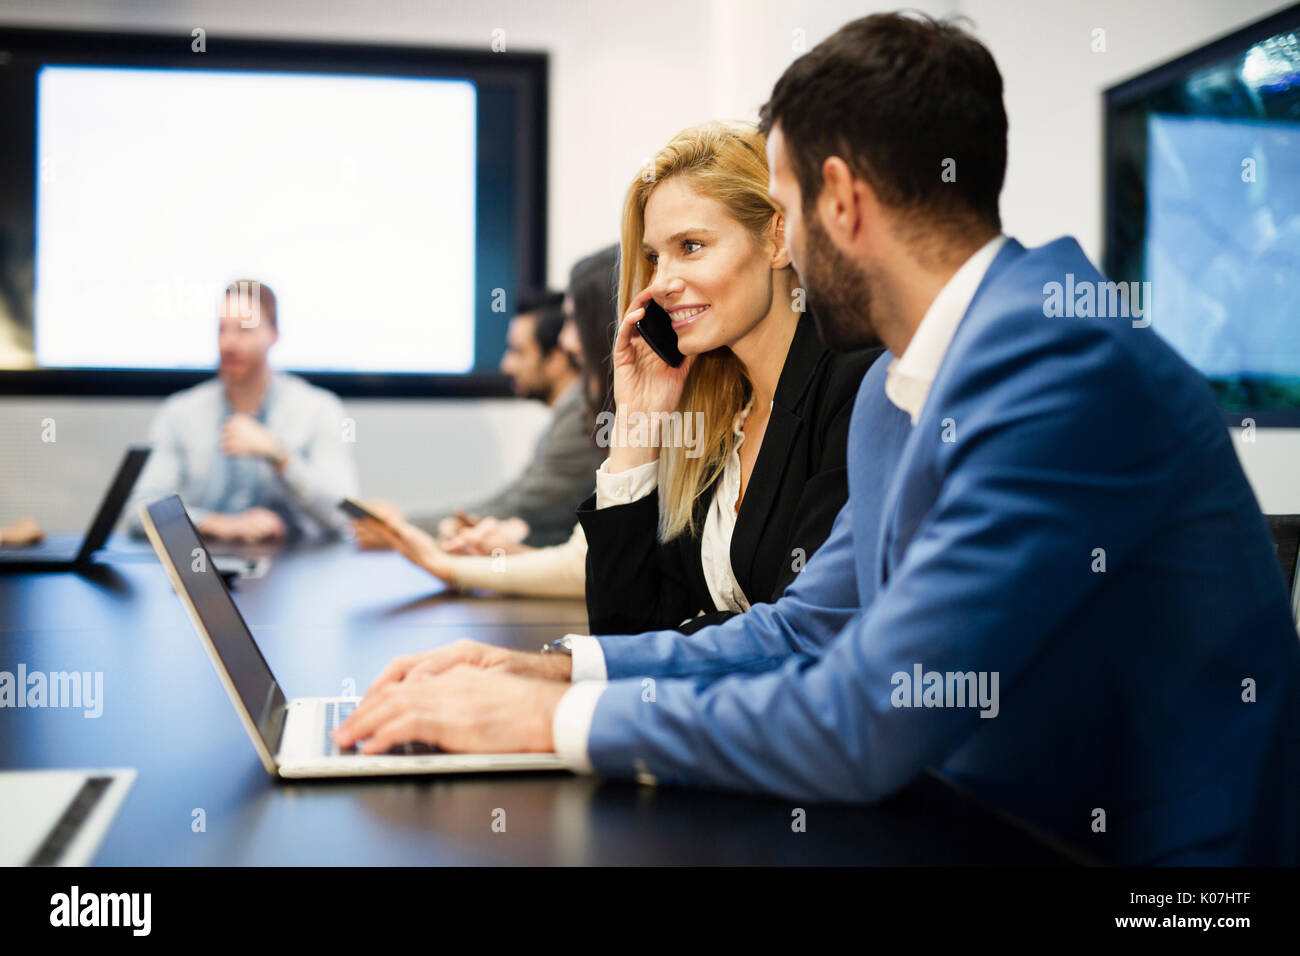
(256, 455)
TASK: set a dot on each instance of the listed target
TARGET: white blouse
(719, 525)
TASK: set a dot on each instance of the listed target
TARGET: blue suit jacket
(1069, 515)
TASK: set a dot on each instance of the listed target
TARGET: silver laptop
(292, 737)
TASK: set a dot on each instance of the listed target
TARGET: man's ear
(556, 362)
(780, 254)
(843, 203)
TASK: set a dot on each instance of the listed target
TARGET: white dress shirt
(309, 423)
(636, 483)
(720, 526)
(910, 375)
(907, 385)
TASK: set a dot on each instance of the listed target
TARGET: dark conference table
(327, 615)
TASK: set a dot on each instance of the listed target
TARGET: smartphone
(657, 329)
(356, 509)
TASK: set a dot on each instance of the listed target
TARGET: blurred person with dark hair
(255, 454)
(537, 507)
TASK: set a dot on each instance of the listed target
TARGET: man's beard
(839, 294)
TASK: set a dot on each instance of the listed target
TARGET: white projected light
(352, 197)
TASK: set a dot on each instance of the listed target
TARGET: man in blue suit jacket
(1067, 601)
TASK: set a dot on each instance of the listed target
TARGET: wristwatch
(563, 645)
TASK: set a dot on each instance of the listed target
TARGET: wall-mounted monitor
(1203, 203)
(393, 198)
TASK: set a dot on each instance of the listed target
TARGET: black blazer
(798, 485)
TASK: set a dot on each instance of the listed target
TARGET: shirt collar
(268, 398)
(908, 380)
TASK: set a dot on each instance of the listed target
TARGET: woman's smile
(684, 315)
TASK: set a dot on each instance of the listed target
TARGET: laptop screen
(110, 509)
(239, 653)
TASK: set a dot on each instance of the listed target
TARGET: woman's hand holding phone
(367, 533)
(416, 545)
(644, 383)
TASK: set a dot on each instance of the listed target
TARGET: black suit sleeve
(634, 583)
(827, 487)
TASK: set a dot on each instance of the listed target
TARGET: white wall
(624, 77)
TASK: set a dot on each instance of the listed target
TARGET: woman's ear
(780, 254)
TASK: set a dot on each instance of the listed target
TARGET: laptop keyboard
(336, 713)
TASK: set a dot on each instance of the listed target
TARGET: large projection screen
(353, 197)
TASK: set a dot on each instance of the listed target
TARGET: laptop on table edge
(291, 737)
(68, 552)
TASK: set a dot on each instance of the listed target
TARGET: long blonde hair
(726, 162)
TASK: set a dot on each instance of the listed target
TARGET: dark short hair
(895, 96)
(245, 288)
(547, 309)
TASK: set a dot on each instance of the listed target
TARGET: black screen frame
(179, 538)
(110, 509)
(528, 72)
(1115, 193)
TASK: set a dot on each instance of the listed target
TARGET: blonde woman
(725, 474)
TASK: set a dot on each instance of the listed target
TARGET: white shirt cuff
(588, 658)
(571, 724)
(625, 486)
